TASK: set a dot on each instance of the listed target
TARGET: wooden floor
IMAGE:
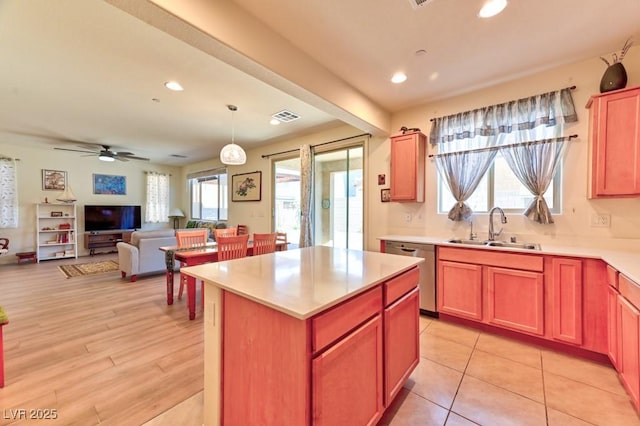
(96, 349)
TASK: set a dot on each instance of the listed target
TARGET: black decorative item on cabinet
(615, 76)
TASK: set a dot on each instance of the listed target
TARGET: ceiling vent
(285, 116)
(417, 4)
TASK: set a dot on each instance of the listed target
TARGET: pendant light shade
(231, 153)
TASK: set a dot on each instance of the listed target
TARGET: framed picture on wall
(246, 186)
(54, 180)
(109, 184)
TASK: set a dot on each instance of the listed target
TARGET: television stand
(105, 240)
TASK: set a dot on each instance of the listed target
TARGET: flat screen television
(109, 218)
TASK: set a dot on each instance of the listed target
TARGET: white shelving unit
(56, 231)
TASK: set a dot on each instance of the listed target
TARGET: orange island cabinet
(316, 336)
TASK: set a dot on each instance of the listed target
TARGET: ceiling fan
(104, 153)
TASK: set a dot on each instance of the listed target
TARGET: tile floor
(468, 377)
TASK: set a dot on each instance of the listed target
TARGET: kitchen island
(296, 337)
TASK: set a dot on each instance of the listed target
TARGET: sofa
(142, 254)
(211, 226)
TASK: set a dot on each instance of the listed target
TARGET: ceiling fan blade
(123, 153)
(120, 158)
(133, 157)
(75, 150)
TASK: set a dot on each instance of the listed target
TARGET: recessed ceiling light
(274, 122)
(492, 8)
(399, 77)
(173, 85)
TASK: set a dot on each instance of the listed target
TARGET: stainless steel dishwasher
(428, 304)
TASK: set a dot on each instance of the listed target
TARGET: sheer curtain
(306, 177)
(8, 193)
(158, 194)
(534, 164)
(462, 171)
(475, 136)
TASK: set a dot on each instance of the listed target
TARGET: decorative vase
(614, 78)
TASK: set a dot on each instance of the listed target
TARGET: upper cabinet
(407, 167)
(614, 133)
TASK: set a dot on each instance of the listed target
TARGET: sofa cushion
(136, 236)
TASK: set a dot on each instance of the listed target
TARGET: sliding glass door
(338, 198)
(338, 201)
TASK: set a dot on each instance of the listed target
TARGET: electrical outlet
(407, 217)
(600, 220)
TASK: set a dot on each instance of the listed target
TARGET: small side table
(26, 257)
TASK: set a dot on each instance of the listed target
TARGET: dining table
(191, 256)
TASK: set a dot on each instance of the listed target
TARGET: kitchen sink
(467, 242)
(502, 244)
(528, 246)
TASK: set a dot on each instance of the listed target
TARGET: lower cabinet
(460, 289)
(347, 379)
(613, 308)
(629, 366)
(566, 300)
(402, 352)
(516, 300)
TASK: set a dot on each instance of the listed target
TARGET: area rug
(90, 268)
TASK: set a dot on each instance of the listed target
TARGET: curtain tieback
(538, 201)
(460, 204)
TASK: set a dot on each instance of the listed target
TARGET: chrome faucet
(503, 219)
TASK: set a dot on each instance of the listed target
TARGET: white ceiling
(77, 71)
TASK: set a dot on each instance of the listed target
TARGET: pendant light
(231, 153)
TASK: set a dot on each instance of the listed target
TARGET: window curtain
(534, 164)
(8, 193)
(306, 177)
(463, 171)
(475, 136)
(158, 193)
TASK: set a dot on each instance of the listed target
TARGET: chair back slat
(242, 229)
(281, 237)
(264, 243)
(193, 238)
(232, 247)
(225, 232)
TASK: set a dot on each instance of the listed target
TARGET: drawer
(330, 326)
(612, 277)
(526, 262)
(629, 289)
(400, 285)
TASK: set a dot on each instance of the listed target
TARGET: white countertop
(625, 261)
(303, 282)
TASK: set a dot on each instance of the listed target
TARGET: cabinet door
(629, 344)
(402, 349)
(566, 300)
(407, 167)
(616, 144)
(516, 300)
(460, 289)
(613, 327)
(347, 379)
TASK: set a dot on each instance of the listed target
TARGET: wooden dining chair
(243, 229)
(264, 243)
(225, 232)
(232, 247)
(194, 238)
(281, 237)
(191, 238)
(4, 246)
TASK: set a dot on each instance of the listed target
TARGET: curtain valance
(549, 109)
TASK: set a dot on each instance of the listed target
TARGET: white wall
(573, 225)
(80, 172)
